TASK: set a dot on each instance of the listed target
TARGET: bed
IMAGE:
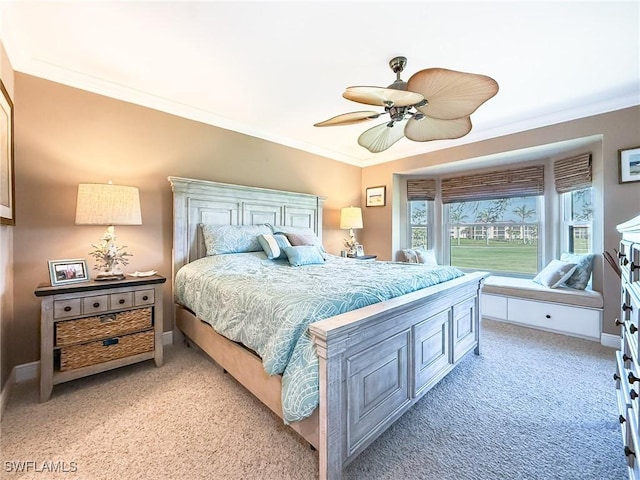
(373, 362)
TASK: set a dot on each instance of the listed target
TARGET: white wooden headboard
(202, 201)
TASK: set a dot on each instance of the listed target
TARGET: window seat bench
(562, 310)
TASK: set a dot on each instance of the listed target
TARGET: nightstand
(90, 327)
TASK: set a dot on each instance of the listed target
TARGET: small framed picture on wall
(376, 196)
(629, 166)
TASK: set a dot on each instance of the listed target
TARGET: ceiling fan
(435, 104)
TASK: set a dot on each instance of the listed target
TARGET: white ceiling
(272, 69)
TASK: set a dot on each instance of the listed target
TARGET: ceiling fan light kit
(435, 104)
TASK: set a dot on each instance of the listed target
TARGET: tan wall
(6, 258)
(66, 136)
(618, 129)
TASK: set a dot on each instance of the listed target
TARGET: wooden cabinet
(91, 327)
(627, 375)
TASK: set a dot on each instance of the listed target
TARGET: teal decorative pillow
(273, 245)
(555, 274)
(303, 255)
(581, 275)
(219, 239)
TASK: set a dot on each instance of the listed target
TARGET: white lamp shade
(107, 204)
(351, 217)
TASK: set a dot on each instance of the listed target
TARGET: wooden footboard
(375, 363)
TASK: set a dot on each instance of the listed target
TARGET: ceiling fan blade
(382, 97)
(381, 137)
(348, 119)
(428, 129)
(451, 94)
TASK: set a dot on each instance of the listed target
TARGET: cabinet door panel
(465, 335)
(432, 352)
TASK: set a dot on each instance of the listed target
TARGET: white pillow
(555, 274)
(420, 255)
(428, 257)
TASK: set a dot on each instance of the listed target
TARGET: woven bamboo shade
(422, 189)
(520, 182)
(572, 173)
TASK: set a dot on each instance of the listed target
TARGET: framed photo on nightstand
(62, 272)
(359, 250)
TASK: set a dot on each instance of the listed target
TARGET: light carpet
(534, 405)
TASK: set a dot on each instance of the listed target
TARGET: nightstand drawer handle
(108, 318)
(548, 316)
(96, 304)
(110, 341)
(632, 378)
(633, 394)
(621, 419)
(67, 308)
(633, 328)
(626, 357)
(121, 301)
(616, 376)
(618, 322)
(628, 451)
(145, 298)
(626, 307)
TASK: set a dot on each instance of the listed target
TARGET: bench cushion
(528, 289)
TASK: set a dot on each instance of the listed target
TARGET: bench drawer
(494, 306)
(582, 322)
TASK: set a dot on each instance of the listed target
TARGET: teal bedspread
(268, 304)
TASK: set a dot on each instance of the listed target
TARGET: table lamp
(351, 218)
(108, 204)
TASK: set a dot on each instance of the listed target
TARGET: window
(509, 222)
(577, 218)
(419, 223)
(420, 196)
(499, 235)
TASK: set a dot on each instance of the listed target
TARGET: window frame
(567, 223)
(429, 223)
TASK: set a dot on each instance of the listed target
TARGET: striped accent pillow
(274, 245)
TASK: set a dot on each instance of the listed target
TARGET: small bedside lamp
(351, 217)
(108, 204)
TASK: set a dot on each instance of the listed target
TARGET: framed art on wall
(629, 166)
(376, 196)
(62, 272)
(7, 177)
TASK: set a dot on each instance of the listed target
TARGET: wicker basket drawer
(86, 354)
(110, 325)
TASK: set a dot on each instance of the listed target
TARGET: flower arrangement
(108, 255)
(351, 244)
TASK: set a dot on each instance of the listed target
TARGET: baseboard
(608, 340)
(27, 371)
(6, 392)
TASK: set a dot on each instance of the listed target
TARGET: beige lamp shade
(107, 204)
(351, 217)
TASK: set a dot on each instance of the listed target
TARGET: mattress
(267, 306)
